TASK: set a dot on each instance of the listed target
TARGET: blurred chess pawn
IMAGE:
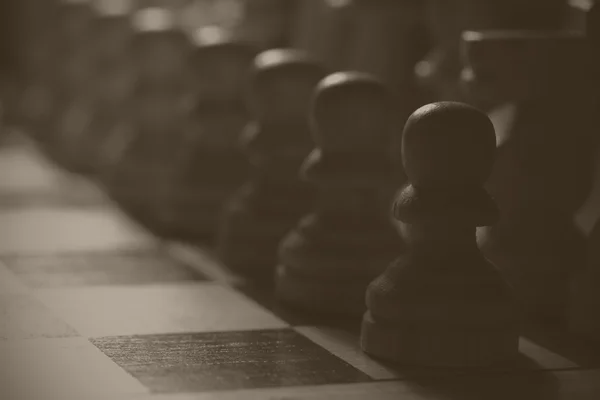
(40, 33)
(153, 129)
(276, 143)
(74, 80)
(210, 165)
(327, 261)
(111, 82)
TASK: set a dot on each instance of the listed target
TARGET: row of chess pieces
(301, 175)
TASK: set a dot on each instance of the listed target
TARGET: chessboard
(179, 179)
(94, 307)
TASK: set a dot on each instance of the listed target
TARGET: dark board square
(22, 317)
(200, 362)
(107, 268)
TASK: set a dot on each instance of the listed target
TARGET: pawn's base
(310, 294)
(439, 346)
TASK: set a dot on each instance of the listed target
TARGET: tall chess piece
(442, 303)
(276, 143)
(541, 177)
(334, 252)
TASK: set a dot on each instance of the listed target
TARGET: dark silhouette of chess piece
(541, 177)
(276, 143)
(442, 303)
(328, 260)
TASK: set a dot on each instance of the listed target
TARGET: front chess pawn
(327, 262)
(442, 304)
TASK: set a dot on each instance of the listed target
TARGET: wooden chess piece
(210, 166)
(541, 177)
(156, 121)
(111, 85)
(39, 51)
(328, 260)
(276, 142)
(442, 303)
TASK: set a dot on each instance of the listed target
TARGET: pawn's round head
(352, 112)
(448, 144)
(282, 84)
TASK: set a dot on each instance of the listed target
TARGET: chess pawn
(326, 262)
(276, 143)
(210, 165)
(73, 82)
(540, 178)
(112, 79)
(584, 307)
(442, 304)
(156, 121)
(39, 31)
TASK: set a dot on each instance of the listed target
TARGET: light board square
(154, 309)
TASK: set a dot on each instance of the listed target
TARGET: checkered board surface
(93, 307)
